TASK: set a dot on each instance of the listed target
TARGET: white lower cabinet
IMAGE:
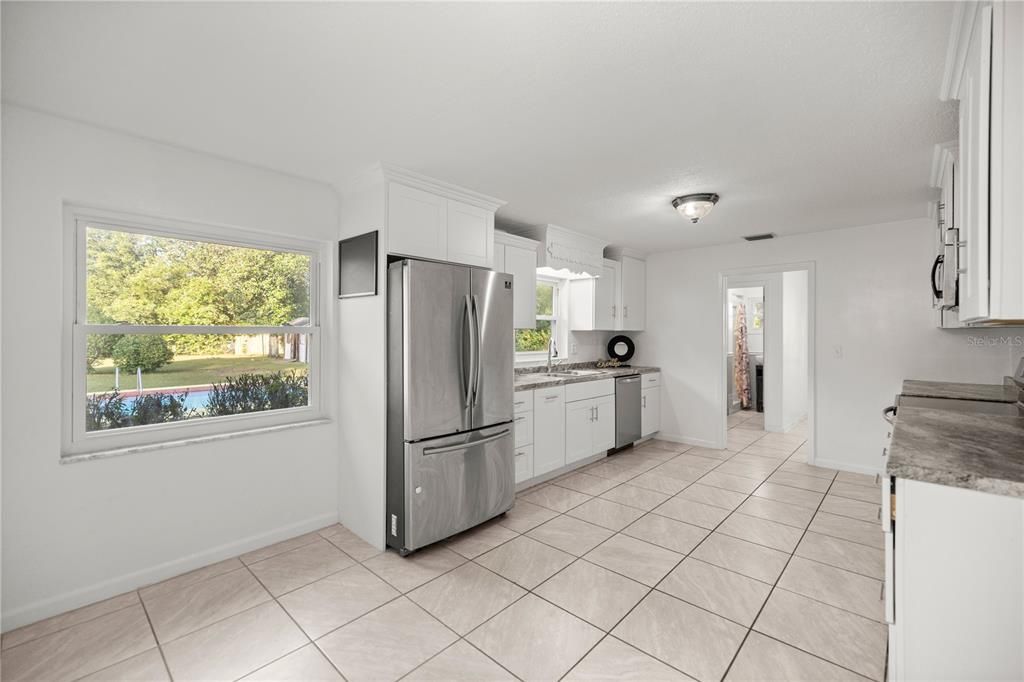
(522, 403)
(954, 587)
(548, 429)
(524, 463)
(589, 419)
(650, 411)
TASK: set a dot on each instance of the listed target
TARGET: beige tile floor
(665, 562)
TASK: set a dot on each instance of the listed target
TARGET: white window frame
(535, 355)
(79, 444)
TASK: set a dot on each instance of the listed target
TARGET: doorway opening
(768, 359)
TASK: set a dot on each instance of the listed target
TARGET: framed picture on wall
(357, 266)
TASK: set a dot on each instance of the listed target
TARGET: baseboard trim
(51, 606)
(846, 466)
(686, 440)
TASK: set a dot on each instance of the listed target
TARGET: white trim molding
(439, 187)
(964, 16)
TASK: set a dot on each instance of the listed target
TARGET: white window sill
(75, 458)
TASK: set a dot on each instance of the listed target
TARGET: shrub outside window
(183, 332)
(534, 342)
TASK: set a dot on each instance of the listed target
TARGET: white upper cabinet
(427, 218)
(594, 303)
(470, 234)
(417, 223)
(975, 100)
(634, 294)
(518, 257)
(986, 73)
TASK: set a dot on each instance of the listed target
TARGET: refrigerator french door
(450, 458)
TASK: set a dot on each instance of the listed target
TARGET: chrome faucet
(552, 348)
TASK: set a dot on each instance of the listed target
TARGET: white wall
(75, 533)
(873, 326)
(794, 348)
(362, 396)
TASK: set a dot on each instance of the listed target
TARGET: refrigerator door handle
(467, 378)
(478, 337)
(465, 446)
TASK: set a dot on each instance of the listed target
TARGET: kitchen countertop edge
(970, 451)
(546, 381)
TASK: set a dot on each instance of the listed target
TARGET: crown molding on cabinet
(617, 252)
(509, 239)
(964, 16)
(439, 187)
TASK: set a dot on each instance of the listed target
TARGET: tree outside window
(537, 340)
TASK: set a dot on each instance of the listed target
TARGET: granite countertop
(970, 450)
(999, 393)
(529, 380)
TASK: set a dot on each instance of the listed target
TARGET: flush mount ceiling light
(695, 206)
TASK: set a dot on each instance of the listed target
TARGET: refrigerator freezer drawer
(454, 483)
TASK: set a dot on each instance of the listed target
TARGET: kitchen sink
(578, 373)
(963, 406)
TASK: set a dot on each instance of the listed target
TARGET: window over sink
(532, 344)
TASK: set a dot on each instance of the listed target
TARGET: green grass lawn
(186, 370)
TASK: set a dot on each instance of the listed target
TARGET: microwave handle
(936, 291)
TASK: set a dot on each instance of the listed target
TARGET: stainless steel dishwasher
(627, 410)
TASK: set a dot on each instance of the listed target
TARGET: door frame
(750, 274)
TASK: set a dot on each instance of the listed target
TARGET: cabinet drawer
(522, 401)
(585, 390)
(524, 463)
(524, 428)
(651, 380)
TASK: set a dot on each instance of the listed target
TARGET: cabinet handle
(881, 593)
(643, 401)
(549, 398)
(519, 402)
(885, 452)
(879, 513)
(597, 413)
(625, 311)
(519, 419)
(520, 453)
(613, 312)
(878, 479)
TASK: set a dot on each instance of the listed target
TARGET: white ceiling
(803, 116)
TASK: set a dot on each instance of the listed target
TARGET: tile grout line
(156, 639)
(654, 588)
(4, 651)
(647, 467)
(774, 587)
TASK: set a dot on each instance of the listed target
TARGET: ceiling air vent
(759, 237)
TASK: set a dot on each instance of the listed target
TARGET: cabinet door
(522, 265)
(470, 234)
(548, 429)
(417, 223)
(975, 101)
(604, 299)
(650, 411)
(604, 424)
(634, 293)
(524, 463)
(579, 429)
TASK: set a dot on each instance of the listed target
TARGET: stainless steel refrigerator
(450, 447)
